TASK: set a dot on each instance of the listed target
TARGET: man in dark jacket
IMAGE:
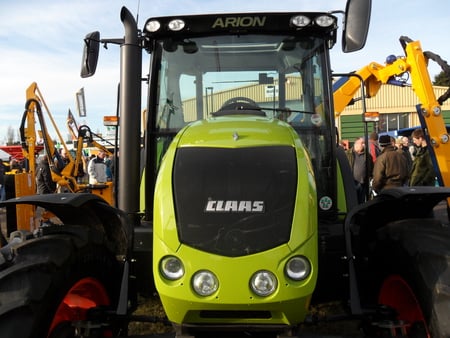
(422, 171)
(361, 169)
(44, 181)
(390, 169)
(3, 170)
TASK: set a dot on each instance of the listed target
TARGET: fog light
(171, 267)
(298, 268)
(205, 283)
(263, 283)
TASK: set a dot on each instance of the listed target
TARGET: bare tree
(10, 136)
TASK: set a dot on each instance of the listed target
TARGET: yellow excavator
(67, 177)
(22, 183)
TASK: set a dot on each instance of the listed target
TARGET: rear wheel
(53, 281)
(396, 294)
(414, 256)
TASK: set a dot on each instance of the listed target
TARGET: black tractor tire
(44, 272)
(413, 258)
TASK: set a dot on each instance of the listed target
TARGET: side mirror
(90, 54)
(356, 27)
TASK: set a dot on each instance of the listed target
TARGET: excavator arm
(28, 132)
(86, 135)
(414, 64)
(67, 177)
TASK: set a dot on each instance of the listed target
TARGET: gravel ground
(149, 307)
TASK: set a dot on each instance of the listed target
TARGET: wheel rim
(84, 295)
(397, 294)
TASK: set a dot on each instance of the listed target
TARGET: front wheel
(53, 281)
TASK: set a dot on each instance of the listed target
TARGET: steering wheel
(239, 103)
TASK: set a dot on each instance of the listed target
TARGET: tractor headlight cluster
(298, 268)
(262, 283)
(171, 268)
(205, 283)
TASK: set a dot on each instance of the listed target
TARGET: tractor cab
(241, 134)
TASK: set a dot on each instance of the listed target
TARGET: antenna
(138, 9)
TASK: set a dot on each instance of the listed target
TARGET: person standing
(374, 148)
(62, 160)
(108, 163)
(402, 144)
(44, 181)
(97, 169)
(3, 170)
(422, 171)
(390, 168)
(361, 169)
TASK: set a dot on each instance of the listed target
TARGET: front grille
(234, 202)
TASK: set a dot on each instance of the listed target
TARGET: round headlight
(171, 268)
(300, 21)
(263, 283)
(152, 26)
(205, 283)
(324, 21)
(176, 25)
(298, 268)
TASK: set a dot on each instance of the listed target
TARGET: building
(397, 109)
(396, 105)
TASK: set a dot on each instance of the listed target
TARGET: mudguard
(84, 209)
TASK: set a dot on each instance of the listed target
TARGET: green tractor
(234, 202)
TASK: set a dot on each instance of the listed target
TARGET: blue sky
(41, 41)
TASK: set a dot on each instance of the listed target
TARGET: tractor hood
(235, 185)
(237, 131)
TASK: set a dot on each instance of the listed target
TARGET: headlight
(263, 283)
(324, 21)
(152, 26)
(298, 268)
(205, 283)
(300, 21)
(171, 268)
(176, 25)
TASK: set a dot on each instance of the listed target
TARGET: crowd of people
(390, 163)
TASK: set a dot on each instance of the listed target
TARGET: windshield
(201, 76)
(282, 77)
